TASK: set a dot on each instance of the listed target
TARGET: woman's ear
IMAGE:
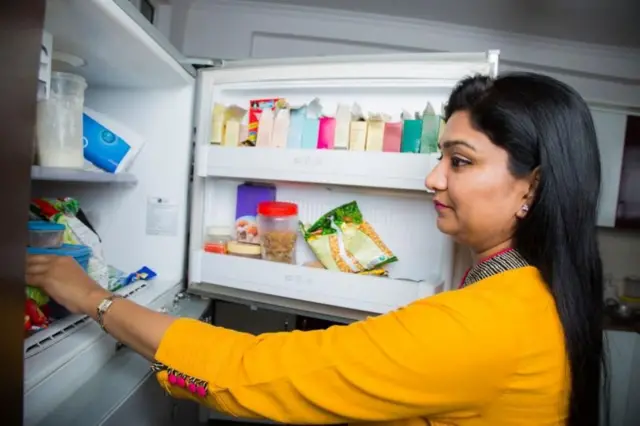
(527, 201)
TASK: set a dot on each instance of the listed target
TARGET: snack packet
(343, 241)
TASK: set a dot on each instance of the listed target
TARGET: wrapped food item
(37, 295)
(431, 123)
(357, 129)
(256, 108)
(377, 272)
(232, 124)
(217, 123)
(343, 241)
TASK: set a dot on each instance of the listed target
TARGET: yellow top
(489, 354)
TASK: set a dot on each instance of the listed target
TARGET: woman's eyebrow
(452, 143)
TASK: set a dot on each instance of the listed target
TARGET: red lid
(277, 208)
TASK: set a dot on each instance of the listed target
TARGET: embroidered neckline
(503, 261)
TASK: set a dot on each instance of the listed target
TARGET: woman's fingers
(34, 280)
(37, 268)
(39, 259)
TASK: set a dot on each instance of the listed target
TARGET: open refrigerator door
(348, 141)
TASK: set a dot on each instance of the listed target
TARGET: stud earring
(524, 208)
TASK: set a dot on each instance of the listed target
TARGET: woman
(519, 344)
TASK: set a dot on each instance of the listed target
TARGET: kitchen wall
(238, 29)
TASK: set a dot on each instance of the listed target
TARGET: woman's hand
(62, 278)
(65, 281)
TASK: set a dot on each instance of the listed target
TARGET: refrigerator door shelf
(384, 170)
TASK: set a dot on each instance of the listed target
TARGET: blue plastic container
(45, 234)
(81, 254)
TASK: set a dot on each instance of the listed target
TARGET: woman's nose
(436, 180)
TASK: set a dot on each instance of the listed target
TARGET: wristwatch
(103, 307)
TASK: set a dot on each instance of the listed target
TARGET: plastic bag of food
(343, 241)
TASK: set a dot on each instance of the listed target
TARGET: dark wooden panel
(20, 36)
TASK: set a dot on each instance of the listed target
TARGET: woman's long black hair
(543, 124)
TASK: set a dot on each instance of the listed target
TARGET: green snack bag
(37, 295)
(343, 241)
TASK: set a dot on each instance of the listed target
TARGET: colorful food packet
(37, 295)
(343, 241)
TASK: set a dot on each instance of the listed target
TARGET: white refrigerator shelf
(75, 175)
(389, 170)
(376, 295)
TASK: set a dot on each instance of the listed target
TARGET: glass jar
(59, 122)
(250, 251)
(278, 231)
(217, 239)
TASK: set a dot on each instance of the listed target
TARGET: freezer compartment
(353, 292)
(116, 45)
(364, 169)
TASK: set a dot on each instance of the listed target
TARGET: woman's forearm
(137, 327)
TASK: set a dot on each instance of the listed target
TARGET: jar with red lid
(278, 230)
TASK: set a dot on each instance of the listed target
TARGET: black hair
(545, 125)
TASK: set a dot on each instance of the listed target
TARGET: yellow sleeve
(446, 355)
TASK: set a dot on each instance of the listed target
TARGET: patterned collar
(503, 261)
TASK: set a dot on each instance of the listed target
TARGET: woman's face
(476, 197)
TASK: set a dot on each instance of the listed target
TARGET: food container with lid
(44, 234)
(80, 253)
(250, 251)
(217, 239)
(278, 230)
(59, 122)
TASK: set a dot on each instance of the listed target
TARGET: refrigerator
(156, 213)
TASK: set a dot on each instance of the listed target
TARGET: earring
(524, 208)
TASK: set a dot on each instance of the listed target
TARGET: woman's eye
(459, 162)
(441, 156)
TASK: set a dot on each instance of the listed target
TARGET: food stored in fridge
(277, 224)
(217, 239)
(343, 241)
(248, 197)
(59, 122)
(44, 234)
(249, 251)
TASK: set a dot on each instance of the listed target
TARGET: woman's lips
(440, 206)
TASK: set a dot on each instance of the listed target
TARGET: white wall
(236, 29)
(591, 21)
(239, 29)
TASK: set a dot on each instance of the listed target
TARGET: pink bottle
(326, 133)
(392, 137)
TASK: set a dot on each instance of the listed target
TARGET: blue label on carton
(102, 147)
